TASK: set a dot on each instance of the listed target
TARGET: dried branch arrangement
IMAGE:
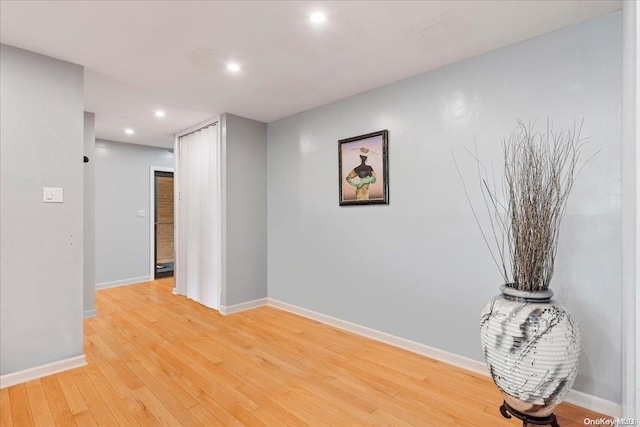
(539, 171)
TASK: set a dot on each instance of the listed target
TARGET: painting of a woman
(363, 169)
(364, 172)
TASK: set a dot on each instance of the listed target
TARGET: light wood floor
(155, 358)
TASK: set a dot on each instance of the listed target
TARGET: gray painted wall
(122, 188)
(418, 268)
(89, 215)
(244, 146)
(41, 111)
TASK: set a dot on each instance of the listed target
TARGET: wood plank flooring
(160, 359)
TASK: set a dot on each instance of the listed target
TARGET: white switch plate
(52, 195)
(141, 212)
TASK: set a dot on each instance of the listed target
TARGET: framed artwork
(363, 164)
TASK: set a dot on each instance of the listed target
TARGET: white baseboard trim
(237, 308)
(594, 403)
(89, 313)
(23, 376)
(124, 282)
(425, 350)
(578, 398)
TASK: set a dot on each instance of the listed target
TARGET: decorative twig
(539, 172)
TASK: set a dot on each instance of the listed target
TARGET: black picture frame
(363, 169)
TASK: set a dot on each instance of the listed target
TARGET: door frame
(630, 212)
(152, 212)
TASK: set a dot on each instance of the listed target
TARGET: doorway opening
(163, 224)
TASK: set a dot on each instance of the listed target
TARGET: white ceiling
(140, 56)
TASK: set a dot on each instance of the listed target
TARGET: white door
(197, 261)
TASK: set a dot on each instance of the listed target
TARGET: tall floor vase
(531, 345)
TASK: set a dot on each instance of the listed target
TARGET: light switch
(141, 212)
(52, 195)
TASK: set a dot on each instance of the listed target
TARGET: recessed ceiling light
(233, 67)
(318, 17)
(129, 131)
(160, 114)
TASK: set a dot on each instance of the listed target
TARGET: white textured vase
(531, 345)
